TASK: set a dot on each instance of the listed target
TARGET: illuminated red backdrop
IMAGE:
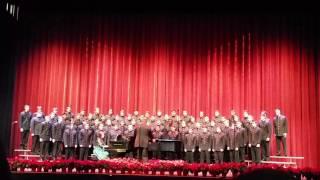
(151, 63)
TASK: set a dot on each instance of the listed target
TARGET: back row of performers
(201, 138)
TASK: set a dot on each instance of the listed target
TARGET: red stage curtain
(166, 63)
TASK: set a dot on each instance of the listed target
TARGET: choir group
(203, 139)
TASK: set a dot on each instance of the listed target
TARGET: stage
(73, 83)
(155, 169)
(86, 176)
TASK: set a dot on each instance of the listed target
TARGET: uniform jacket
(57, 131)
(36, 125)
(70, 136)
(265, 129)
(142, 137)
(25, 120)
(280, 125)
(45, 131)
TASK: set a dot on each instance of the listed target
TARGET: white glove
(249, 145)
(185, 150)
(228, 148)
(154, 140)
(66, 146)
(21, 129)
(192, 150)
(258, 145)
(75, 146)
(221, 150)
(32, 134)
(50, 139)
(80, 145)
(236, 149)
(212, 150)
(199, 149)
(268, 139)
(53, 140)
(285, 134)
(40, 139)
(90, 146)
(209, 149)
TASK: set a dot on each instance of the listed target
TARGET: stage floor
(87, 176)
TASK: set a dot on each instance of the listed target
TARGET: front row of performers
(202, 140)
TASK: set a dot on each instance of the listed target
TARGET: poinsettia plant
(129, 164)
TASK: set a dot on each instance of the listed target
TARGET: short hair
(264, 113)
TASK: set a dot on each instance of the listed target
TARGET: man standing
(254, 142)
(218, 144)
(142, 137)
(189, 145)
(70, 140)
(57, 136)
(233, 139)
(45, 138)
(129, 136)
(205, 145)
(242, 140)
(265, 126)
(85, 141)
(25, 121)
(280, 125)
(35, 131)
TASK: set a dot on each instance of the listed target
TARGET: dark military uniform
(212, 129)
(54, 119)
(266, 133)
(219, 142)
(142, 136)
(122, 129)
(233, 142)
(129, 137)
(85, 141)
(38, 112)
(254, 140)
(242, 142)
(205, 141)
(246, 124)
(70, 140)
(189, 145)
(25, 124)
(182, 132)
(280, 125)
(45, 139)
(35, 130)
(57, 136)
